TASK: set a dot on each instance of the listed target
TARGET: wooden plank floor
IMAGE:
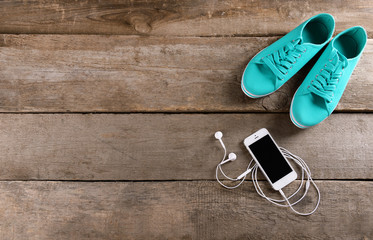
(108, 110)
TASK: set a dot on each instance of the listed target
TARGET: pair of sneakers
(321, 90)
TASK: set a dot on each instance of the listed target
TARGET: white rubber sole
(292, 116)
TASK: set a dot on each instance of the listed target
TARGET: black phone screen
(270, 158)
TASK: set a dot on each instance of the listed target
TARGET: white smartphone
(270, 160)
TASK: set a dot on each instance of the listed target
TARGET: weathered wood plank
(177, 210)
(63, 73)
(169, 147)
(182, 18)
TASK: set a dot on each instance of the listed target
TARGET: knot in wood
(140, 23)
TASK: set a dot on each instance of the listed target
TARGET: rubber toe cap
(258, 79)
(308, 110)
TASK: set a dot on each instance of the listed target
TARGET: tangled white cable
(254, 170)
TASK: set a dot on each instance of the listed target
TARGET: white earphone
(231, 157)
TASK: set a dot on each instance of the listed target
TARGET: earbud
(218, 135)
(231, 157)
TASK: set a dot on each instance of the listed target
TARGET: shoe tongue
(341, 57)
(298, 41)
(293, 44)
(337, 56)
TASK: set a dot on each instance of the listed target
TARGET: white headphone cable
(254, 170)
(218, 167)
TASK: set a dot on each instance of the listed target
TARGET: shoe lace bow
(281, 61)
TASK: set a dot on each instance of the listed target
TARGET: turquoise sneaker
(273, 66)
(320, 92)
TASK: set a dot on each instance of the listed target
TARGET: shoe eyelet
(299, 55)
(330, 60)
(305, 50)
(294, 62)
(321, 70)
(325, 65)
(308, 87)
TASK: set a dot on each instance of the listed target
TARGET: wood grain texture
(180, 57)
(172, 147)
(181, 18)
(178, 210)
(74, 73)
